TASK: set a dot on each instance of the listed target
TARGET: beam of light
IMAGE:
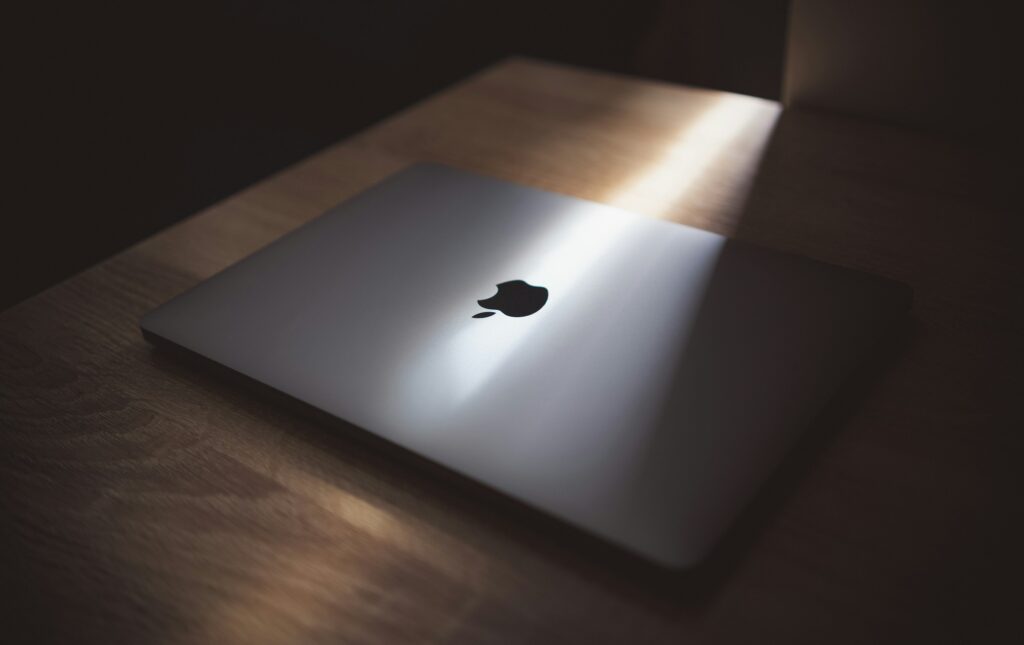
(449, 373)
(707, 166)
(558, 260)
(297, 585)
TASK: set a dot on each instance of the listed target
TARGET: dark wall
(128, 117)
(951, 67)
(732, 45)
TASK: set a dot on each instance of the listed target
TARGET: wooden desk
(145, 500)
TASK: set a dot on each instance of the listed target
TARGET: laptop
(636, 378)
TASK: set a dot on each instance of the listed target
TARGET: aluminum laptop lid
(634, 377)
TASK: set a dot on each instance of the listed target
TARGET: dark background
(123, 118)
(129, 117)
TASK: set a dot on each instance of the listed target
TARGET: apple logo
(515, 298)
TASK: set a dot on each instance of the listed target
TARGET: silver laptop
(633, 377)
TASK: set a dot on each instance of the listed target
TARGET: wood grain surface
(146, 500)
